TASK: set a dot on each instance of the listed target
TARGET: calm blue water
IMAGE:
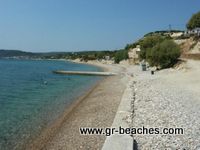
(31, 96)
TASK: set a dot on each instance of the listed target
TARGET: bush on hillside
(164, 54)
(194, 21)
(121, 55)
(148, 43)
(132, 45)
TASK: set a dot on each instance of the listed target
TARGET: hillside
(15, 53)
(82, 55)
(190, 48)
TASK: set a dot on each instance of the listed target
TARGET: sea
(32, 97)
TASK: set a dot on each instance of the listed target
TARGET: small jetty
(88, 73)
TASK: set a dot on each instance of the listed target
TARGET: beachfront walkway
(168, 99)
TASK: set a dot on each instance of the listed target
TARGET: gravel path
(170, 98)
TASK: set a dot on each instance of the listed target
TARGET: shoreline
(85, 113)
(48, 133)
(99, 64)
(99, 108)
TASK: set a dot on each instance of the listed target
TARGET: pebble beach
(168, 99)
(171, 99)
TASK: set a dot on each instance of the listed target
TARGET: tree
(194, 21)
(149, 42)
(132, 45)
(164, 54)
(121, 55)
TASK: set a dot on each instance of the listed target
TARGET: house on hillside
(133, 55)
(107, 57)
(195, 31)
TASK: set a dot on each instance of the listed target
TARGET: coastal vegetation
(164, 54)
(121, 55)
(162, 32)
(91, 55)
(116, 55)
(148, 43)
(159, 51)
(194, 21)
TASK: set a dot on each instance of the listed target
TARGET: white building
(195, 31)
(133, 55)
(107, 57)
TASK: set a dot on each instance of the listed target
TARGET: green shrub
(148, 43)
(121, 55)
(164, 54)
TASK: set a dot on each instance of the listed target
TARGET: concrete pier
(85, 73)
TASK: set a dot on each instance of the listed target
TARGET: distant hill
(19, 53)
(82, 55)
(16, 53)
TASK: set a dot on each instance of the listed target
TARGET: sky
(76, 25)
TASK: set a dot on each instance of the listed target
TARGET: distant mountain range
(83, 55)
(16, 53)
(19, 53)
